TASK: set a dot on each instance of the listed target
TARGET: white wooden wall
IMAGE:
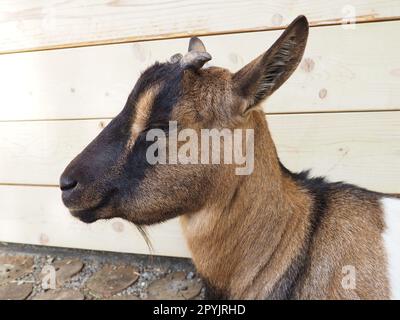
(339, 114)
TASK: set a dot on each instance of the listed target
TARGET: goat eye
(146, 129)
(159, 126)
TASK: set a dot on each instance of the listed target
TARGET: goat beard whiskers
(143, 231)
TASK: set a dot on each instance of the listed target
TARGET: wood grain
(361, 148)
(36, 215)
(32, 25)
(342, 70)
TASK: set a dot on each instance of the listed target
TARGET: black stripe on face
(167, 98)
(166, 80)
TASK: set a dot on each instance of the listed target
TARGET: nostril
(67, 183)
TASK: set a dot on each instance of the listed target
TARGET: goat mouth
(86, 215)
(90, 215)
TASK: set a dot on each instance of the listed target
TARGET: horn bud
(197, 55)
(195, 60)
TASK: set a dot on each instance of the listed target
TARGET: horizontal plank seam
(332, 112)
(10, 184)
(39, 185)
(56, 119)
(168, 36)
(266, 113)
(24, 185)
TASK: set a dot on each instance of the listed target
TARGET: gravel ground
(179, 278)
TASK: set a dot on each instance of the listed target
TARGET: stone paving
(39, 273)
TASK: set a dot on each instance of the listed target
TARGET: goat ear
(261, 77)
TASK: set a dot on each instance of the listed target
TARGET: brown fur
(349, 235)
(244, 241)
(237, 262)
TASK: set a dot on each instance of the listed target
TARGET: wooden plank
(358, 148)
(47, 146)
(35, 215)
(31, 25)
(361, 148)
(343, 70)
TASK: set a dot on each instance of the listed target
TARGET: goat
(269, 234)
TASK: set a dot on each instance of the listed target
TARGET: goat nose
(67, 183)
